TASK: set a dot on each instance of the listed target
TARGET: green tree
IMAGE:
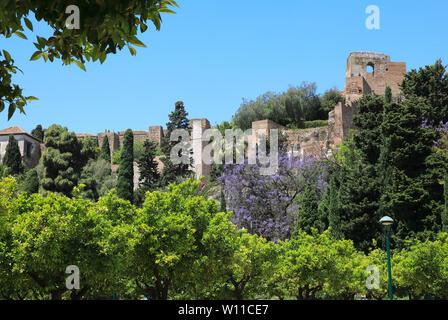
(177, 120)
(148, 168)
(330, 99)
(63, 160)
(369, 119)
(351, 203)
(431, 84)
(422, 268)
(31, 182)
(296, 105)
(237, 262)
(308, 214)
(392, 169)
(169, 249)
(174, 172)
(411, 194)
(105, 149)
(13, 158)
(388, 95)
(89, 147)
(4, 171)
(222, 202)
(445, 211)
(47, 234)
(105, 29)
(38, 132)
(97, 174)
(125, 181)
(314, 266)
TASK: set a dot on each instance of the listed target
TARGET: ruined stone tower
(365, 73)
(371, 72)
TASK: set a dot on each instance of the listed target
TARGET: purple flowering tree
(267, 204)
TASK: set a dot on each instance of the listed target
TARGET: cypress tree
(352, 202)
(13, 158)
(125, 181)
(105, 149)
(388, 95)
(308, 213)
(223, 202)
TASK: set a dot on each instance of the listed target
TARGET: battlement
(371, 72)
(366, 73)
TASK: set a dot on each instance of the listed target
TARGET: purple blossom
(267, 205)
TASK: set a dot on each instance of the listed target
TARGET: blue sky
(212, 53)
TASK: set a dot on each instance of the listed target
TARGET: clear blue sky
(212, 53)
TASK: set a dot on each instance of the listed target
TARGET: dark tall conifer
(125, 181)
(105, 149)
(13, 158)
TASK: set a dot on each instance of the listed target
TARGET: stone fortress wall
(366, 73)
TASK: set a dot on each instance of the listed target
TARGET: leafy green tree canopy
(106, 26)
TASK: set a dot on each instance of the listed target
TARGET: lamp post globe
(386, 221)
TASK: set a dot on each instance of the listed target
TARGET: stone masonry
(366, 73)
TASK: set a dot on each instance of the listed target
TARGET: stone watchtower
(370, 72)
(365, 73)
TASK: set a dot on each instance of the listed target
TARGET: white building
(30, 147)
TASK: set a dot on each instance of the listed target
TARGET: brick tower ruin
(366, 73)
(371, 72)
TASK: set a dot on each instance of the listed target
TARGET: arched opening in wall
(370, 68)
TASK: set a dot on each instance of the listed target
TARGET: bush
(31, 182)
(308, 125)
(116, 156)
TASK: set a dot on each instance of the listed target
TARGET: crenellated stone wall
(316, 141)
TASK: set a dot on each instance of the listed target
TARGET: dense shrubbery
(308, 124)
(310, 231)
(294, 107)
(179, 245)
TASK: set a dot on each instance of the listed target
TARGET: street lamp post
(387, 222)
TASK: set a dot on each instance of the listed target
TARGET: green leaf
(31, 98)
(28, 23)
(103, 56)
(36, 55)
(2, 105)
(11, 110)
(143, 27)
(42, 41)
(166, 10)
(7, 55)
(21, 35)
(137, 42)
(80, 64)
(132, 50)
